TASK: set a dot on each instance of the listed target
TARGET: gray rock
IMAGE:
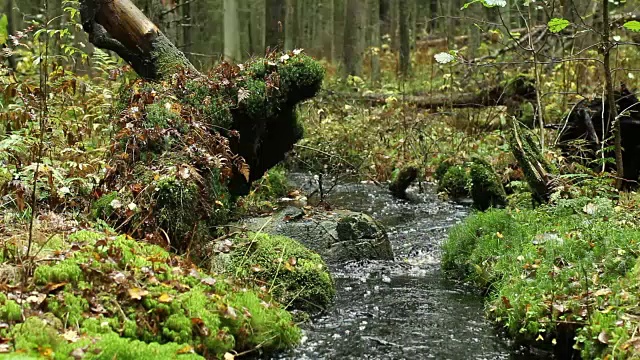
(337, 236)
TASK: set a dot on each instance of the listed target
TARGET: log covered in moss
(189, 144)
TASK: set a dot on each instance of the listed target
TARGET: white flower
(631, 76)
(297, 51)
(501, 3)
(116, 204)
(132, 206)
(444, 57)
(616, 38)
(284, 57)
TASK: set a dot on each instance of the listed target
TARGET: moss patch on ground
(554, 273)
(295, 276)
(112, 296)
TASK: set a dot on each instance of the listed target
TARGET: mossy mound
(293, 274)
(486, 189)
(187, 145)
(455, 182)
(115, 297)
(555, 272)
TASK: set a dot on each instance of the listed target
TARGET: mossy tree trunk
(119, 26)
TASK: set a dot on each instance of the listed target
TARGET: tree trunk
(326, 29)
(374, 39)
(231, 32)
(291, 25)
(353, 33)
(275, 18)
(119, 26)
(613, 111)
(405, 38)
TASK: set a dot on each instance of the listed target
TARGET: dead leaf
(71, 336)
(603, 337)
(137, 293)
(51, 287)
(36, 299)
(165, 298)
(5, 348)
(208, 281)
(77, 354)
(119, 277)
(603, 292)
(229, 356)
(559, 308)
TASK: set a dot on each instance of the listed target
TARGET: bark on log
(119, 26)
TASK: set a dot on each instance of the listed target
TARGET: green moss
(178, 304)
(486, 188)
(546, 267)
(69, 307)
(296, 276)
(102, 208)
(10, 311)
(5, 178)
(455, 182)
(158, 116)
(64, 271)
(34, 336)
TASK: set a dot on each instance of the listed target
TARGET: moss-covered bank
(114, 297)
(556, 273)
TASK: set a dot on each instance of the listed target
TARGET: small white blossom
(297, 51)
(132, 206)
(284, 57)
(444, 57)
(501, 3)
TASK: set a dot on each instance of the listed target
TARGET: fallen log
(119, 26)
(509, 93)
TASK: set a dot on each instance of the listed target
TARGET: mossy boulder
(338, 236)
(401, 181)
(123, 297)
(294, 275)
(455, 182)
(486, 188)
(188, 145)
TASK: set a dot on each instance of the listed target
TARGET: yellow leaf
(187, 349)
(47, 352)
(137, 293)
(499, 235)
(165, 298)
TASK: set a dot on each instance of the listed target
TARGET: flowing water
(402, 309)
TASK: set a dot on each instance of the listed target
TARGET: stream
(402, 309)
